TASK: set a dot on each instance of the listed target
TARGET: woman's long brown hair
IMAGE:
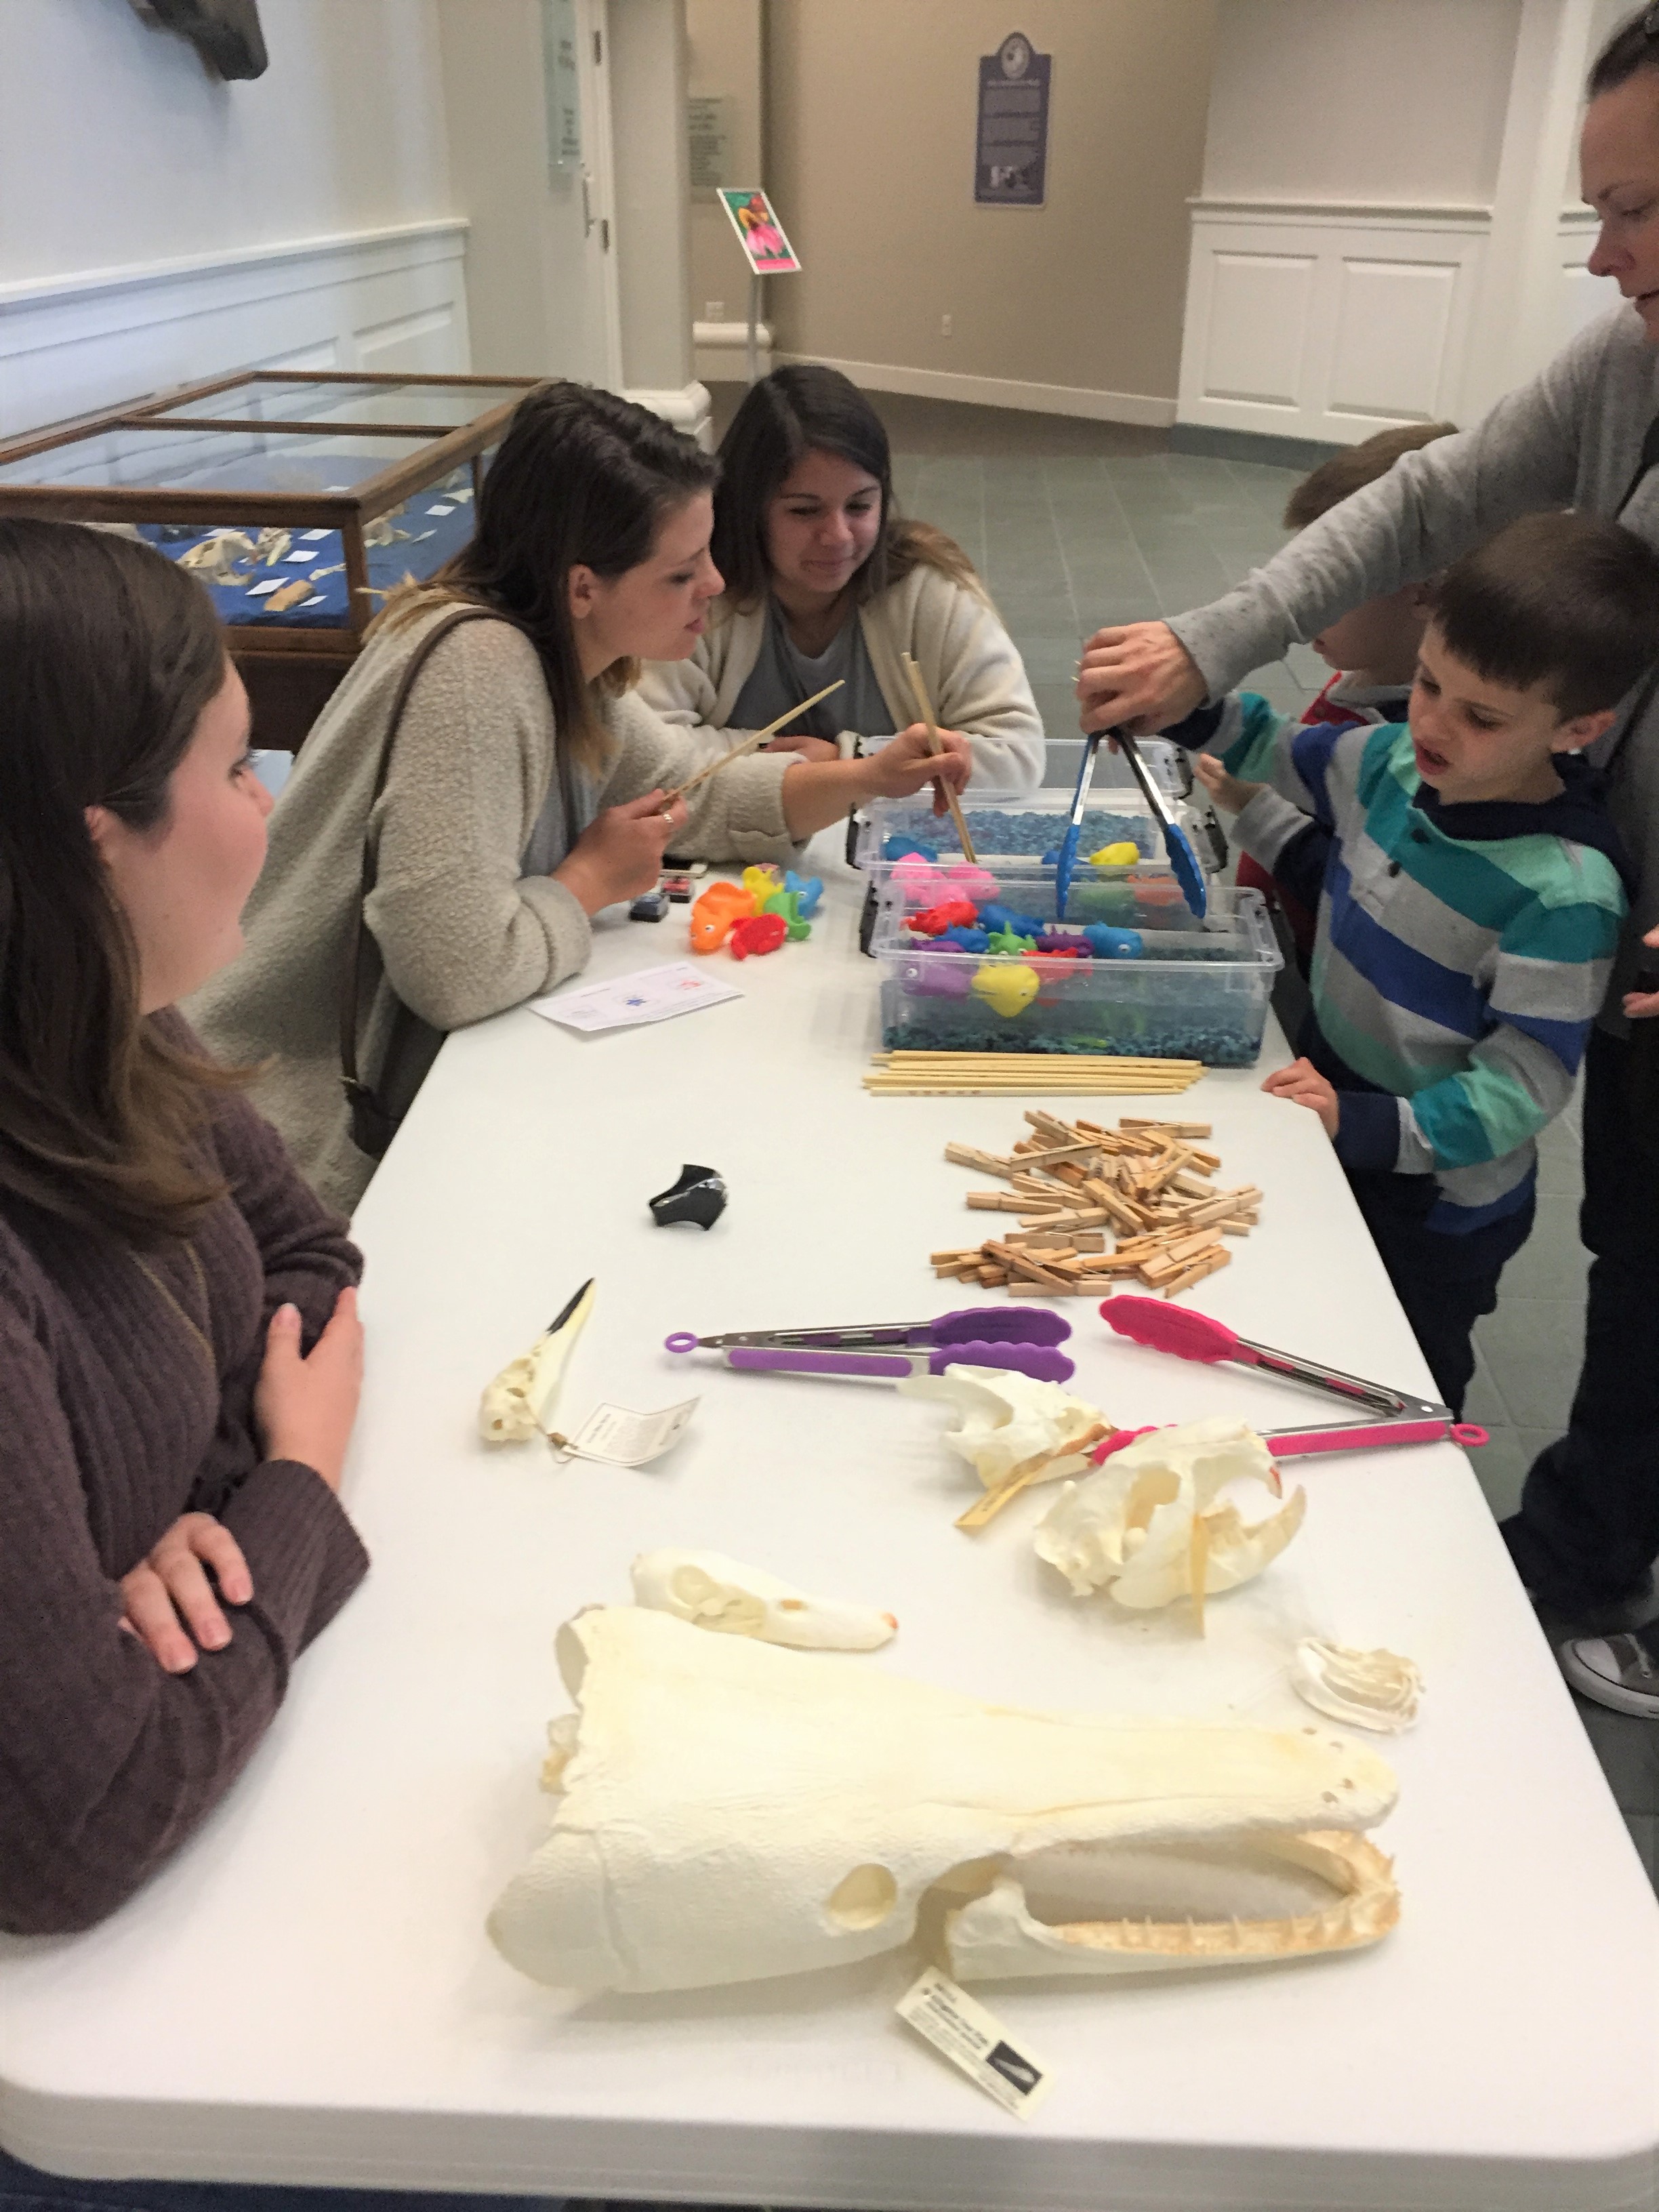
(582, 477)
(108, 655)
(804, 407)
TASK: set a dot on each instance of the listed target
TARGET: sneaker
(1619, 1671)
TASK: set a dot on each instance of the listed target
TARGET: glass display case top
(297, 399)
(290, 462)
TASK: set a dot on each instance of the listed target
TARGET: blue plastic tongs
(1068, 843)
(1183, 861)
(1024, 1339)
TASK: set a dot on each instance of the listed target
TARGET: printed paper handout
(651, 994)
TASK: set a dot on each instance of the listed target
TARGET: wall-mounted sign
(1011, 150)
(771, 253)
(561, 89)
(708, 132)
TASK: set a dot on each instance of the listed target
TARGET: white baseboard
(1151, 410)
(391, 298)
(687, 406)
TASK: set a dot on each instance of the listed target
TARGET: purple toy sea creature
(936, 979)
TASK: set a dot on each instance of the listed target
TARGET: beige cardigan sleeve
(462, 934)
(975, 676)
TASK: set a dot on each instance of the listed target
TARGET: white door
(602, 313)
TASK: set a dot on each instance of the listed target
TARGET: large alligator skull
(731, 1811)
(1153, 1526)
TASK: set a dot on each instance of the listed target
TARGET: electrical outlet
(945, 326)
(714, 311)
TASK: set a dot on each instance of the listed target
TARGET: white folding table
(306, 1993)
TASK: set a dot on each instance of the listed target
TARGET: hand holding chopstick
(746, 745)
(925, 711)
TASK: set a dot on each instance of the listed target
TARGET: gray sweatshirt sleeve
(1432, 506)
(737, 815)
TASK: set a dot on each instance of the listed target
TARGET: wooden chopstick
(925, 708)
(748, 745)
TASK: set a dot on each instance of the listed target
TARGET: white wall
(157, 223)
(1343, 280)
(1363, 100)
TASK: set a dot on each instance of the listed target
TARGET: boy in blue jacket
(1471, 898)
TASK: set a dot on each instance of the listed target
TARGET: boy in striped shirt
(1472, 899)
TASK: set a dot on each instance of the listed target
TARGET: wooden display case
(299, 497)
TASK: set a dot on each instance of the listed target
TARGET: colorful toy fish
(994, 917)
(920, 881)
(935, 979)
(1108, 944)
(760, 883)
(809, 889)
(759, 933)
(1054, 940)
(1010, 940)
(966, 881)
(1007, 991)
(1123, 855)
(788, 903)
(935, 919)
(966, 940)
(904, 849)
(713, 913)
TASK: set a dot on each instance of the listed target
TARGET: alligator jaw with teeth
(730, 1811)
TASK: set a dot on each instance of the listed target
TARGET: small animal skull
(1007, 1419)
(711, 1591)
(1151, 1526)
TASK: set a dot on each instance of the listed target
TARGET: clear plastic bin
(1193, 990)
(1017, 828)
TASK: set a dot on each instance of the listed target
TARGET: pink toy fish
(919, 879)
(970, 882)
(761, 932)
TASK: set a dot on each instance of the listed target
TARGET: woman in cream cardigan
(525, 785)
(825, 580)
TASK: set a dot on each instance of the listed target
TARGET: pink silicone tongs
(1394, 1417)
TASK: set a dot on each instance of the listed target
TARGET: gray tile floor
(1074, 525)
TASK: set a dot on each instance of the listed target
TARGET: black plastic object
(699, 1195)
(650, 906)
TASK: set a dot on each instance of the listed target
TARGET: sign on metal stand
(768, 252)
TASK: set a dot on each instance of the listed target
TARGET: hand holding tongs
(975, 1336)
(1394, 1417)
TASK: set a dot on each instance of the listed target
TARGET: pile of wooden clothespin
(1150, 1183)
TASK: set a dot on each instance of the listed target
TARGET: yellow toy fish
(760, 883)
(1123, 855)
(1008, 990)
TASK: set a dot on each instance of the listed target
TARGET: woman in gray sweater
(526, 777)
(1584, 434)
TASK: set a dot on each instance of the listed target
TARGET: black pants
(1444, 1282)
(1588, 1529)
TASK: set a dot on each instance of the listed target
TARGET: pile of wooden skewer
(1149, 1183)
(1058, 1074)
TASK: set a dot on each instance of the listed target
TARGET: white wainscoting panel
(1257, 331)
(385, 300)
(1326, 322)
(1393, 323)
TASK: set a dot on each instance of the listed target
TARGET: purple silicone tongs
(1023, 1339)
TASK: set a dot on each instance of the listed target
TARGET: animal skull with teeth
(728, 1812)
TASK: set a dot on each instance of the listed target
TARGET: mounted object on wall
(1011, 149)
(226, 33)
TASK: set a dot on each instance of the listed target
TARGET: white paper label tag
(621, 1438)
(315, 537)
(258, 591)
(976, 2041)
(301, 555)
(440, 509)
